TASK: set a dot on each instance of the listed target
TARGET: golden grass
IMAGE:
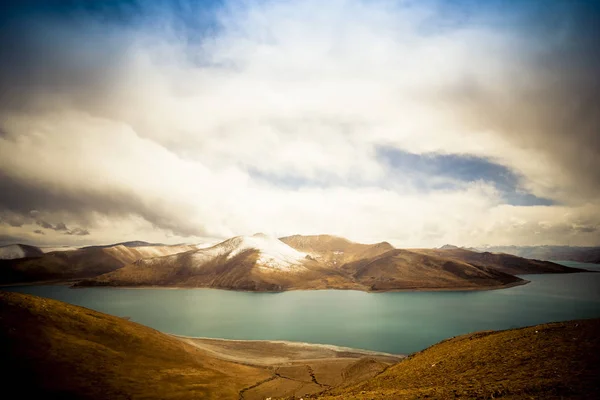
(52, 349)
(559, 360)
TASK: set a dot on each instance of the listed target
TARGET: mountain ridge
(263, 263)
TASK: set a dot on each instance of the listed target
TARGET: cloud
(78, 232)
(417, 123)
(44, 224)
(39, 232)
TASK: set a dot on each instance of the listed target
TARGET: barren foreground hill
(550, 361)
(50, 349)
(61, 351)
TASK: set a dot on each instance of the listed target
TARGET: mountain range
(562, 253)
(75, 264)
(264, 263)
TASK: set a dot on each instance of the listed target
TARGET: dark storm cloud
(76, 50)
(26, 200)
(60, 227)
(12, 219)
(51, 57)
(551, 99)
(44, 224)
(11, 239)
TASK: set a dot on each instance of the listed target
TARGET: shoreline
(175, 287)
(332, 347)
(278, 353)
(53, 282)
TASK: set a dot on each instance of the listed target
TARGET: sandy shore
(278, 352)
(297, 369)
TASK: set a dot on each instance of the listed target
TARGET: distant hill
(77, 264)
(506, 263)
(409, 270)
(550, 361)
(134, 243)
(449, 247)
(16, 251)
(262, 263)
(334, 250)
(558, 253)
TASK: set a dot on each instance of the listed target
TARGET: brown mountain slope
(502, 262)
(333, 250)
(551, 361)
(50, 349)
(403, 269)
(81, 263)
(232, 264)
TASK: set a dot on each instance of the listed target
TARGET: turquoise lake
(395, 322)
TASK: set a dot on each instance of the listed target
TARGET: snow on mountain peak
(11, 252)
(14, 251)
(273, 253)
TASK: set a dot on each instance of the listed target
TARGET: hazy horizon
(420, 123)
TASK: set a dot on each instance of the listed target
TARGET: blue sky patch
(421, 168)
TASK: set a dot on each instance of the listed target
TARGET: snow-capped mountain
(15, 251)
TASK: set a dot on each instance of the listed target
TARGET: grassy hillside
(50, 349)
(68, 352)
(551, 361)
(53, 350)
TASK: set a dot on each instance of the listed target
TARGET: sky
(416, 122)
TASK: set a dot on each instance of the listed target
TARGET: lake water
(401, 322)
